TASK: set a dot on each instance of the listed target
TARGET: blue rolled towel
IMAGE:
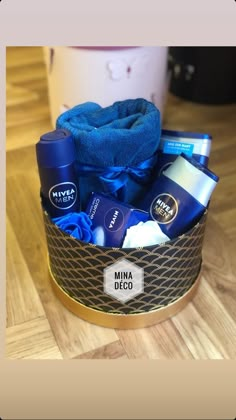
(116, 147)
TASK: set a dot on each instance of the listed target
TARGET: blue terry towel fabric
(116, 147)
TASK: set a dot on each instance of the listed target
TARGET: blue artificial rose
(78, 225)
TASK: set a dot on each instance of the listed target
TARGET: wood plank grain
(19, 160)
(18, 116)
(194, 117)
(223, 218)
(31, 340)
(202, 329)
(110, 351)
(27, 134)
(226, 194)
(220, 156)
(162, 341)
(73, 335)
(25, 73)
(23, 303)
(23, 56)
(220, 265)
(40, 86)
(17, 96)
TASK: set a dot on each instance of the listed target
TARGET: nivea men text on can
(180, 195)
(173, 143)
(56, 156)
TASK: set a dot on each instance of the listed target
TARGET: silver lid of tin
(193, 177)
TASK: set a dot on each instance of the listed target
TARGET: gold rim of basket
(123, 321)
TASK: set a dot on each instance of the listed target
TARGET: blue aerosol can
(56, 157)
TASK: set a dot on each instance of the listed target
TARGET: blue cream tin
(111, 218)
(173, 143)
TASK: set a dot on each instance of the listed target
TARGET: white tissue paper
(144, 234)
(99, 236)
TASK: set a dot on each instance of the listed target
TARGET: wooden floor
(38, 326)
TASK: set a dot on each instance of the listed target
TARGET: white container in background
(105, 75)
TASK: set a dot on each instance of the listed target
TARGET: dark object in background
(203, 74)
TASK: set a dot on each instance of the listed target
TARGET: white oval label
(63, 195)
(164, 208)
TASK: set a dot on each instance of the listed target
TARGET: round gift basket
(171, 274)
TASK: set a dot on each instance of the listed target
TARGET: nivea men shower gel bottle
(180, 195)
(56, 155)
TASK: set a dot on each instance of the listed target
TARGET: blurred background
(195, 89)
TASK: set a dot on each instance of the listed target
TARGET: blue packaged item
(111, 219)
(180, 195)
(116, 147)
(173, 143)
(56, 164)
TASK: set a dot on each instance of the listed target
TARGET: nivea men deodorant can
(56, 155)
(180, 195)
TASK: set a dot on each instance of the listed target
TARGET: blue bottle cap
(56, 148)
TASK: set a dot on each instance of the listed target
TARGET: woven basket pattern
(169, 269)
